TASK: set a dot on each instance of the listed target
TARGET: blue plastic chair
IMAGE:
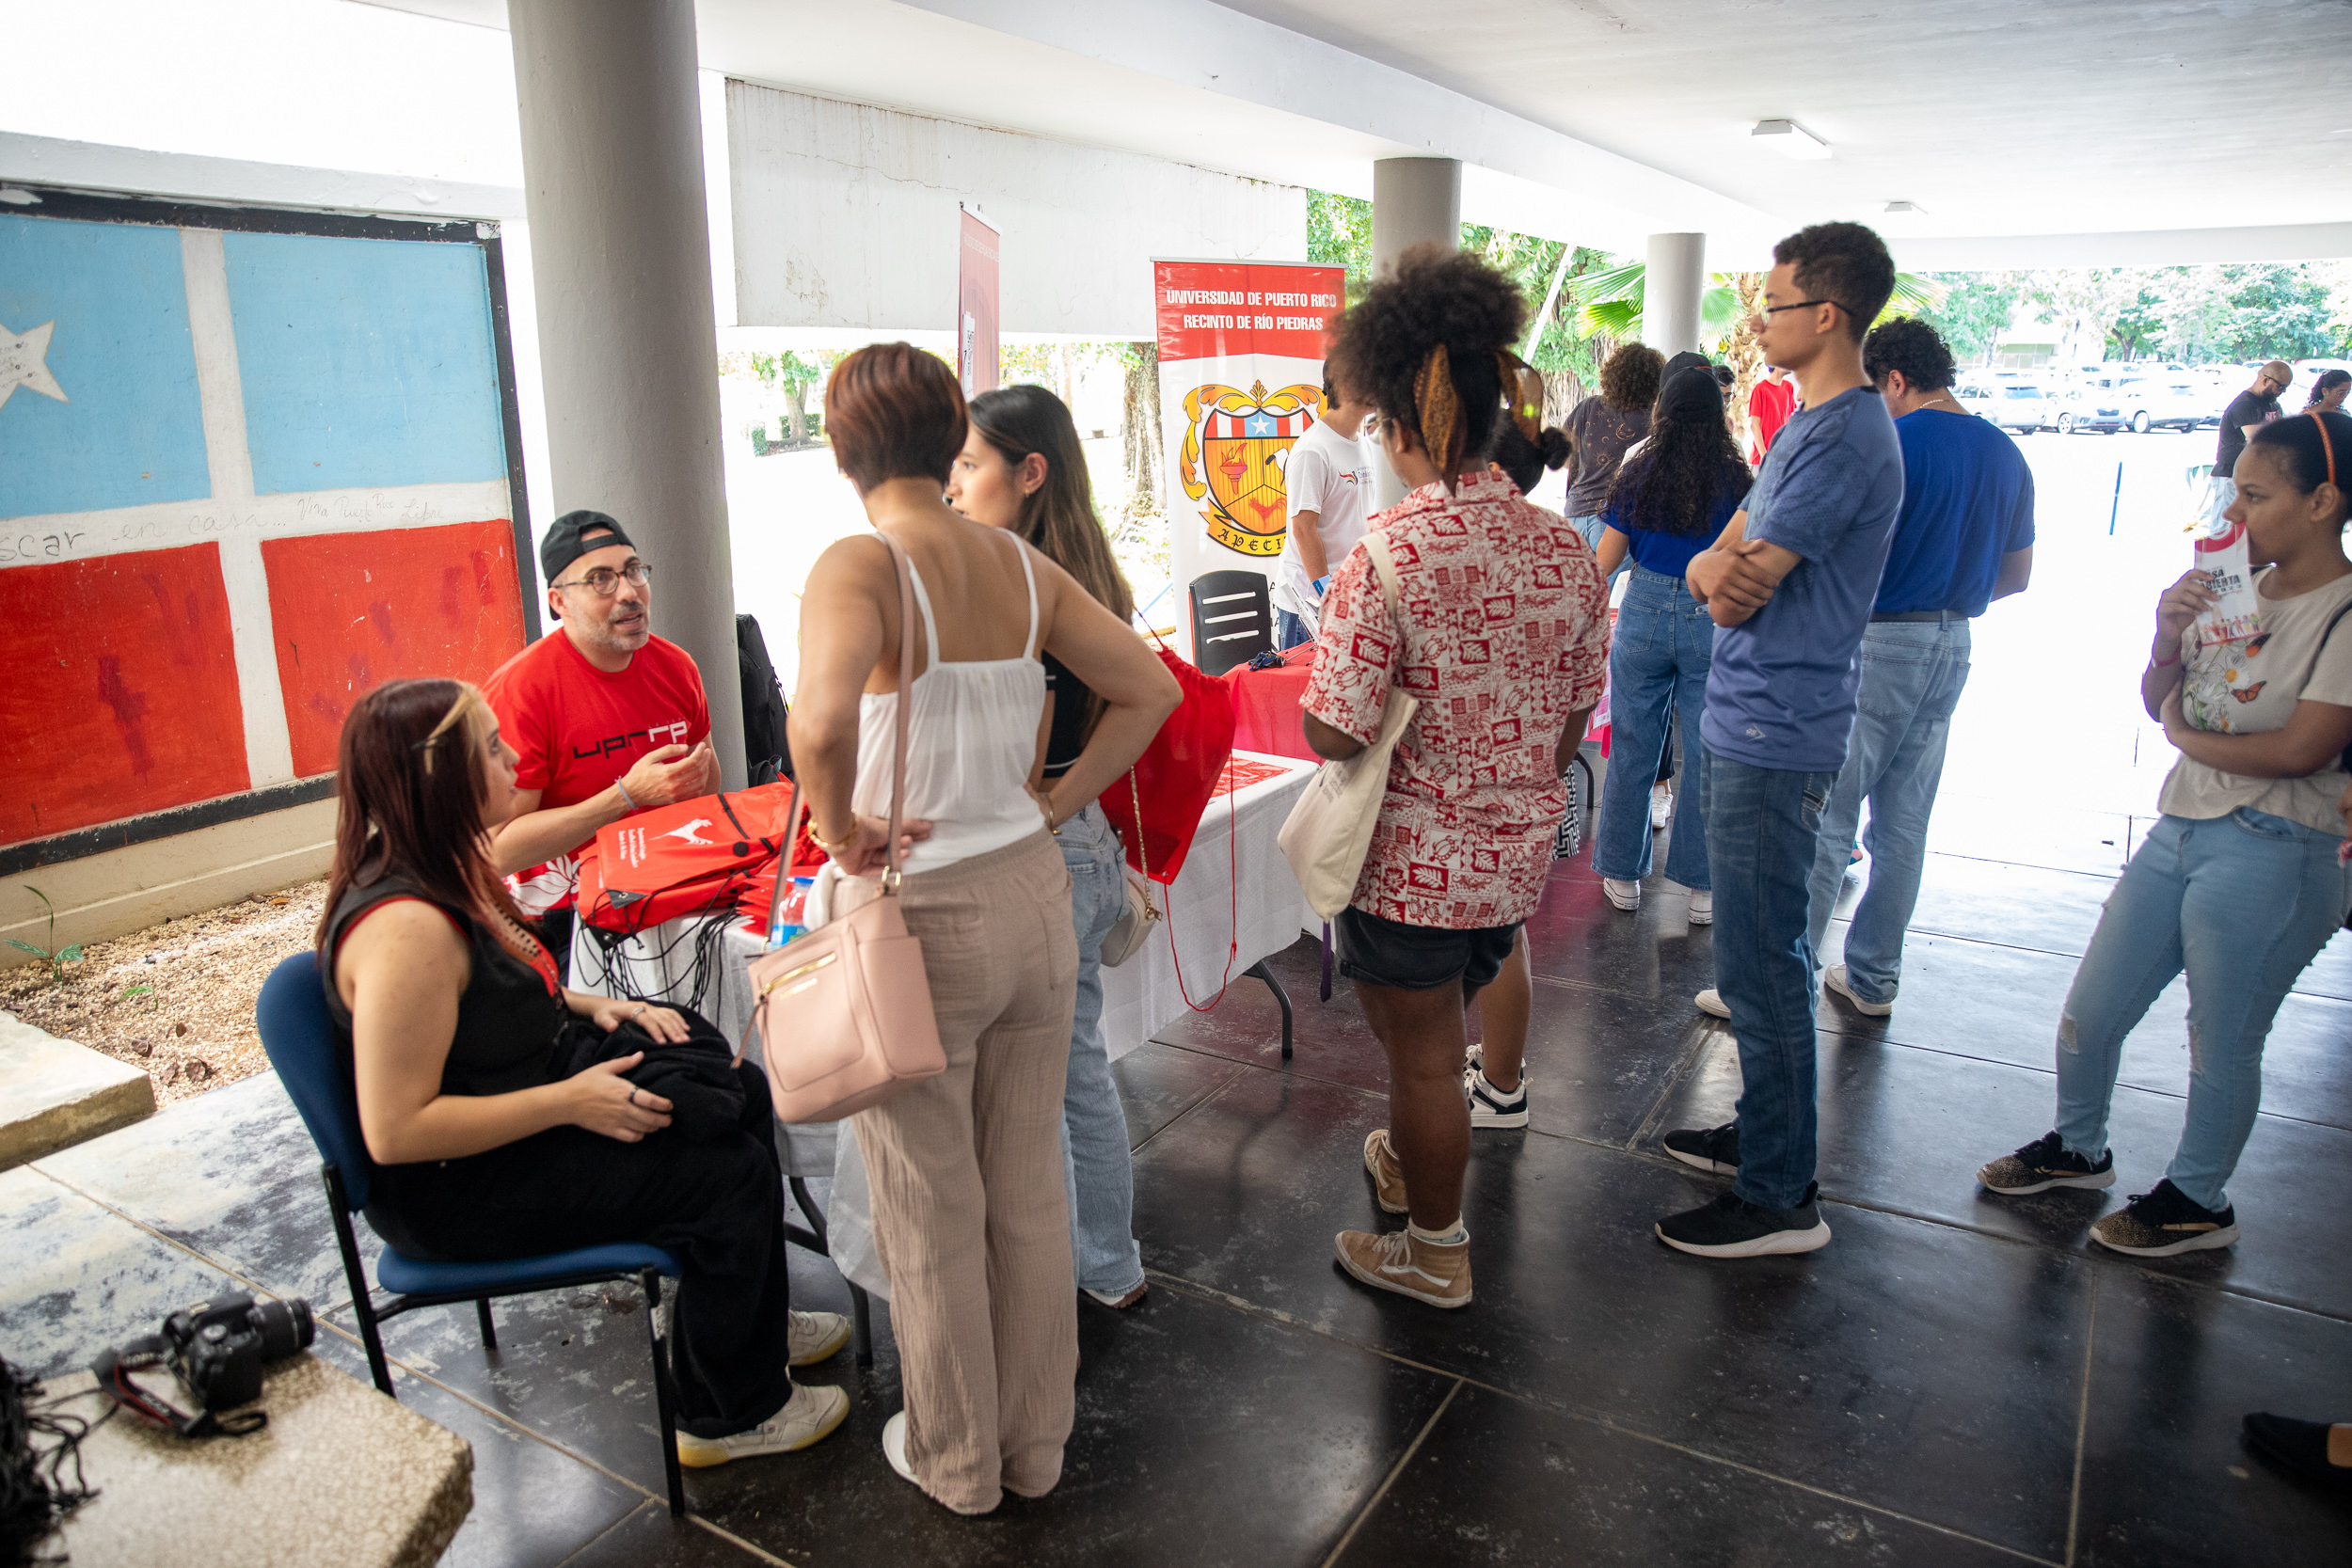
(300, 1035)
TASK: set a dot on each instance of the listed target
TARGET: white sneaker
(1489, 1106)
(1661, 805)
(895, 1447)
(1835, 979)
(1626, 895)
(816, 1336)
(1702, 908)
(1711, 1002)
(809, 1415)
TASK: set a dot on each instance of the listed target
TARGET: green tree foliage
(2248, 310)
(1974, 313)
(1339, 233)
(1614, 302)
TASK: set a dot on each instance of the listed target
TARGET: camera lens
(284, 1326)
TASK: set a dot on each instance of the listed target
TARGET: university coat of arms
(1236, 447)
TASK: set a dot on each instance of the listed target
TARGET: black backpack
(766, 753)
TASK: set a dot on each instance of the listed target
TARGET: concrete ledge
(126, 889)
(55, 1093)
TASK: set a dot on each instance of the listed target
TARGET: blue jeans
(1290, 631)
(1659, 657)
(1763, 824)
(1096, 1167)
(2243, 902)
(1913, 673)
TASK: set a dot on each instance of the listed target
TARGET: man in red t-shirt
(1770, 401)
(607, 718)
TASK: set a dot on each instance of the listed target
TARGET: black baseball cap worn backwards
(563, 545)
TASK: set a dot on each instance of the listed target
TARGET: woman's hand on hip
(604, 1101)
(866, 852)
(609, 1012)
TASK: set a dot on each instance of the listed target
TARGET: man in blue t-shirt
(1790, 585)
(1964, 539)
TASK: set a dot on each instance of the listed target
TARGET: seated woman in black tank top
(489, 1146)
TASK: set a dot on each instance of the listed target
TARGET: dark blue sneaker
(1731, 1227)
(1715, 1149)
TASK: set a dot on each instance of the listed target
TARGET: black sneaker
(1731, 1227)
(2043, 1164)
(1715, 1148)
(2300, 1447)
(2163, 1222)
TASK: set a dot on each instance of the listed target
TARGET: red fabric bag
(683, 859)
(1175, 775)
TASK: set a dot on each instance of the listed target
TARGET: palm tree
(1612, 302)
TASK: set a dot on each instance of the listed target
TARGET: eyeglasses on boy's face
(1768, 311)
(605, 582)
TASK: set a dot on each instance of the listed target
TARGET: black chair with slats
(1232, 619)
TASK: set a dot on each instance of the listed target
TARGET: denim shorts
(1384, 952)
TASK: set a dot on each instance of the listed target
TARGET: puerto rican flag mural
(245, 478)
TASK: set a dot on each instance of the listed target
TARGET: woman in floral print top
(1502, 634)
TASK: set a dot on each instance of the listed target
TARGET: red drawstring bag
(1168, 788)
(760, 892)
(683, 859)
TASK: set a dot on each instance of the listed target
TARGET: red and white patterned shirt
(1506, 634)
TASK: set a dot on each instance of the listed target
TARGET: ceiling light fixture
(1789, 140)
(1910, 208)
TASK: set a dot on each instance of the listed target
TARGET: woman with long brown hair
(489, 1146)
(1021, 470)
(965, 1166)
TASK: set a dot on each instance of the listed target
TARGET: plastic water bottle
(789, 912)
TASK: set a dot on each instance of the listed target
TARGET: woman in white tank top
(966, 1168)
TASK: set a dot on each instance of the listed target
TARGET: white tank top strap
(930, 627)
(1028, 573)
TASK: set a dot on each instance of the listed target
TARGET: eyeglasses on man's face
(1768, 311)
(605, 582)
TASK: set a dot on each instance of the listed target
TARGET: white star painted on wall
(24, 363)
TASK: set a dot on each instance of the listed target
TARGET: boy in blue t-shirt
(1790, 585)
(1965, 538)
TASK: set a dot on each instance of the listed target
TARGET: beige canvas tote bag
(844, 1012)
(1329, 830)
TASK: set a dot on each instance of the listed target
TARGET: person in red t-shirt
(607, 718)
(1770, 403)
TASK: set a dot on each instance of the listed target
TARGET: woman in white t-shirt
(2240, 881)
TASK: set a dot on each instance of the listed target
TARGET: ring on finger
(633, 1094)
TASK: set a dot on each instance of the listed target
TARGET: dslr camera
(219, 1348)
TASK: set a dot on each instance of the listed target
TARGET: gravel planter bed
(176, 999)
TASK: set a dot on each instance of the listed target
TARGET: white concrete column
(620, 253)
(1671, 285)
(1414, 201)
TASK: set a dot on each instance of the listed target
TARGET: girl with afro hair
(1493, 618)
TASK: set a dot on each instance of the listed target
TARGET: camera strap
(112, 1370)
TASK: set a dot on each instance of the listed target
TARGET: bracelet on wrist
(622, 790)
(834, 846)
(2155, 663)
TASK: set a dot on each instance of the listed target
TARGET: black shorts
(1384, 952)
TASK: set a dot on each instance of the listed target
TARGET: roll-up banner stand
(1241, 378)
(976, 343)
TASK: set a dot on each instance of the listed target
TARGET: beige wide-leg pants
(966, 1168)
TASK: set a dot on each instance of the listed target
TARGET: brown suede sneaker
(1400, 1261)
(1387, 1173)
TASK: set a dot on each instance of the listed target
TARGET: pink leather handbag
(844, 1013)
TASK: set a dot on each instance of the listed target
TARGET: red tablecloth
(1266, 705)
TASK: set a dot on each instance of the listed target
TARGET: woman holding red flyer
(2241, 881)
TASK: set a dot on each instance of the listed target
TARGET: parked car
(2093, 403)
(2022, 407)
(2164, 403)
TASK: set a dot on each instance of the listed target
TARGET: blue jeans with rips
(1913, 673)
(1290, 631)
(1763, 824)
(2243, 902)
(1659, 657)
(1096, 1168)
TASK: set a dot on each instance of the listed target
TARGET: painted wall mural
(245, 478)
